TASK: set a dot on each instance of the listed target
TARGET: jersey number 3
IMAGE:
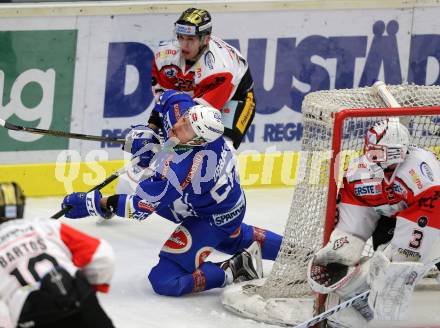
(417, 239)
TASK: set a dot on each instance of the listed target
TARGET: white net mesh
(304, 229)
(303, 234)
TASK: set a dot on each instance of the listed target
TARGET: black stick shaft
(56, 133)
(115, 175)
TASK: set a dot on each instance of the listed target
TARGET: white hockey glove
(343, 248)
(392, 285)
(336, 263)
(339, 271)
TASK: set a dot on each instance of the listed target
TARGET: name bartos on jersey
(23, 249)
(18, 250)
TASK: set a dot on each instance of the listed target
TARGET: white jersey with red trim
(30, 248)
(412, 195)
(212, 80)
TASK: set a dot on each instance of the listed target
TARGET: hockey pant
(69, 302)
(182, 268)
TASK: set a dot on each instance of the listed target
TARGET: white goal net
(335, 123)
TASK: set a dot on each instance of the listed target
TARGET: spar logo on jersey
(367, 189)
(179, 242)
(202, 254)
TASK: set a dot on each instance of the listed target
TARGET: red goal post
(335, 122)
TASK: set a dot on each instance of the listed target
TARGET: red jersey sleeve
(93, 256)
(215, 89)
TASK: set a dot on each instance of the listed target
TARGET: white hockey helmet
(207, 124)
(386, 143)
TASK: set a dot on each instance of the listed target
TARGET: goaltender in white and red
(398, 182)
(49, 271)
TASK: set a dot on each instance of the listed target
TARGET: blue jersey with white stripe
(190, 181)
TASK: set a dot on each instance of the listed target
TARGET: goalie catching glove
(84, 204)
(338, 270)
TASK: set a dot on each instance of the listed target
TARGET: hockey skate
(246, 264)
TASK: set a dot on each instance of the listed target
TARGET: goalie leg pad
(392, 285)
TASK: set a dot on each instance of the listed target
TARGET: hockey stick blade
(56, 133)
(324, 315)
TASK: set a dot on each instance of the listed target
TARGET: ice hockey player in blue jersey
(195, 185)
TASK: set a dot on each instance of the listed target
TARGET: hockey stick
(389, 100)
(112, 177)
(55, 133)
(169, 144)
(324, 315)
(386, 96)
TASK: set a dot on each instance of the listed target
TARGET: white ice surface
(131, 302)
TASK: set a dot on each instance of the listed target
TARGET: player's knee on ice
(168, 278)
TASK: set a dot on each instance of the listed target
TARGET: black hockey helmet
(12, 201)
(194, 22)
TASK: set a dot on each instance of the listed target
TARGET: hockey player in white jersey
(213, 72)
(391, 179)
(49, 272)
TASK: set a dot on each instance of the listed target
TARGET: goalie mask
(386, 143)
(12, 201)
